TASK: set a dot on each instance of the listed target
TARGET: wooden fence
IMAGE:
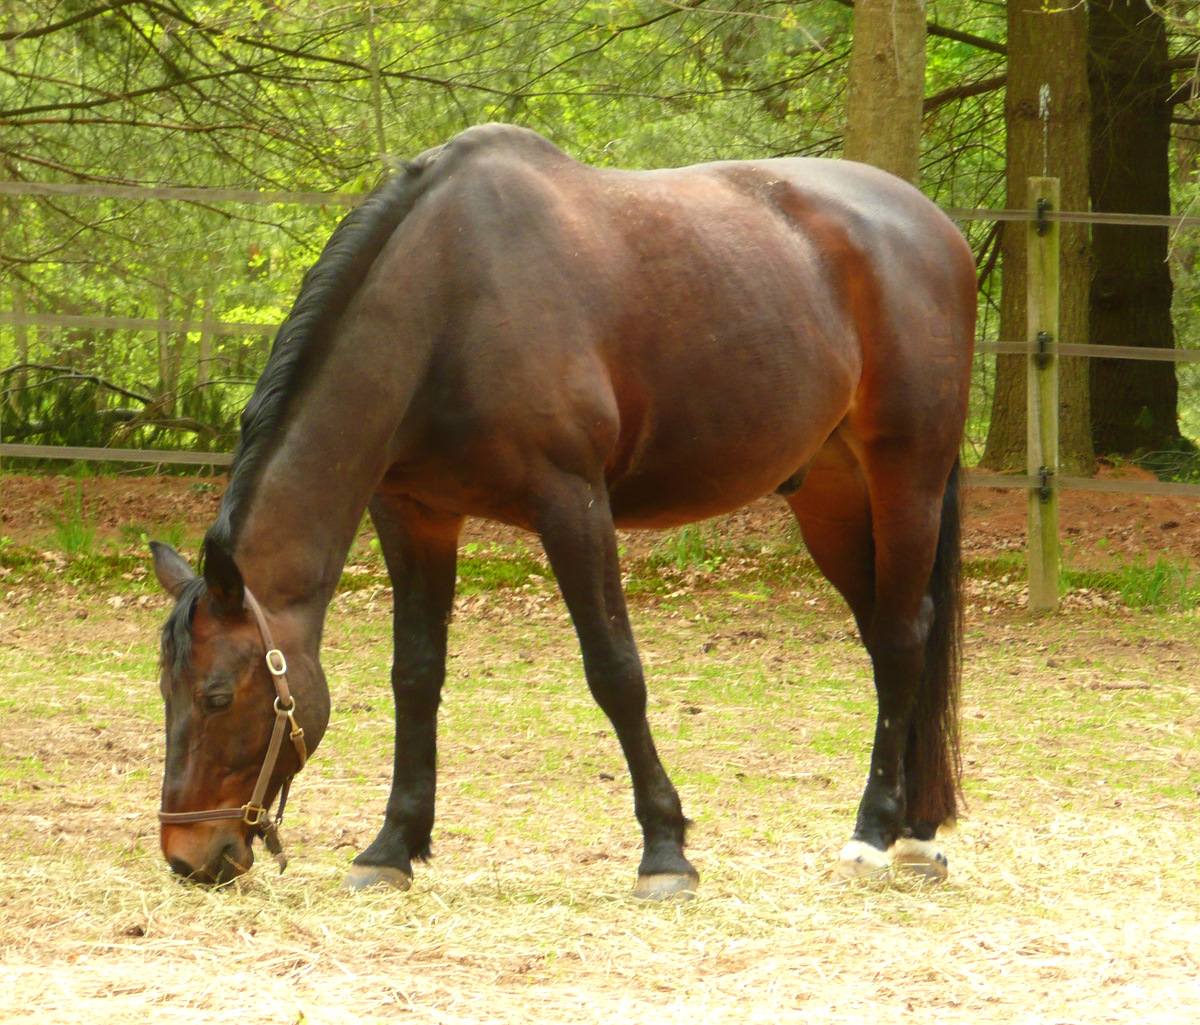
(1042, 480)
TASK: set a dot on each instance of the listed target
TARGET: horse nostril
(180, 867)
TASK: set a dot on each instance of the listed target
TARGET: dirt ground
(1072, 895)
(1096, 528)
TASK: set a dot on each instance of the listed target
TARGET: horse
(500, 331)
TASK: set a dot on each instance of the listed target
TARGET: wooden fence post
(1042, 395)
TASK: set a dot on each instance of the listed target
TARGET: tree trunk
(887, 85)
(204, 357)
(168, 367)
(1134, 402)
(20, 334)
(1047, 57)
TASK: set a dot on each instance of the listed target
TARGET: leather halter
(254, 813)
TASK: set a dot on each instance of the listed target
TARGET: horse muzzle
(211, 856)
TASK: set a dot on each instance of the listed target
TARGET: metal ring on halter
(297, 730)
(277, 669)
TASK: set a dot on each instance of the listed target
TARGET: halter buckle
(276, 663)
(254, 814)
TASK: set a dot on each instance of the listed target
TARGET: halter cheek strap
(254, 813)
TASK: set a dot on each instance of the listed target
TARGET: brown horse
(502, 332)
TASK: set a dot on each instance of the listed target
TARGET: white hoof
(922, 857)
(859, 860)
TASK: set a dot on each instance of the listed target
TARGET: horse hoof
(667, 886)
(921, 858)
(860, 860)
(363, 877)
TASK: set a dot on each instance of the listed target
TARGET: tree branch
(952, 33)
(72, 375)
(46, 30)
(961, 92)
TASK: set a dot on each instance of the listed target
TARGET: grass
(1072, 896)
(1164, 584)
(74, 528)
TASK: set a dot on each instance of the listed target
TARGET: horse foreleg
(420, 549)
(576, 528)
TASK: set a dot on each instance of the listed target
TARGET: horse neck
(311, 492)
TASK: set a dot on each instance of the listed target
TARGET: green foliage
(694, 547)
(74, 527)
(315, 97)
(303, 96)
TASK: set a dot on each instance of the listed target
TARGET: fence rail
(98, 190)
(1097, 351)
(115, 455)
(1073, 217)
(79, 323)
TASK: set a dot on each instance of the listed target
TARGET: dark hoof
(363, 877)
(667, 886)
(920, 858)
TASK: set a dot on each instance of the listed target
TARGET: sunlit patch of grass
(481, 570)
(1075, 862)
(1003, 566)
(1140, 584)
(74, 529)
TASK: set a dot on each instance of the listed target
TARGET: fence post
(1042, 395)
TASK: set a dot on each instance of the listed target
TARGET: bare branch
(73, 376)
(961, 92)
(46, 30)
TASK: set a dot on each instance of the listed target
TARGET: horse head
(232, 702)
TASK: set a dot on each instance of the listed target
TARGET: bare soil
(1097, 528)
(1072, 896)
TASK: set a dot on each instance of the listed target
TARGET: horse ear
(170, 567)
(224, 579)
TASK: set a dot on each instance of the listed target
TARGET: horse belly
(702, 459)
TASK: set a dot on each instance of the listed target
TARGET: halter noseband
(254, 812)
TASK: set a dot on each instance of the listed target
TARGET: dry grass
(1073, 895)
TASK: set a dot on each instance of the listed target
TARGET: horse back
(687, 337)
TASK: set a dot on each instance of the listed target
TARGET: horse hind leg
(877, 540)
(834, 513)
(913, 642)
(420, 548)
(576, 528)
(931, 762)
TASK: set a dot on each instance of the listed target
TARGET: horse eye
(217, 702)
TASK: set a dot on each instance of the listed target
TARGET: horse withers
(499, 331)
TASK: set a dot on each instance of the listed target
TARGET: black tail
(933, 759)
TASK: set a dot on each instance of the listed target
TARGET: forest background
(312, 96)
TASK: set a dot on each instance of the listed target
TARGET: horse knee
(617, 685)
(417, 686)
(898, 642)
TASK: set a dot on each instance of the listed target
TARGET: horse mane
(175, 653)
(325, 292)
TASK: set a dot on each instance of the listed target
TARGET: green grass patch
(74, 529)
(1161, 585)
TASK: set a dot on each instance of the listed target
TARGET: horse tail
(933, 758)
